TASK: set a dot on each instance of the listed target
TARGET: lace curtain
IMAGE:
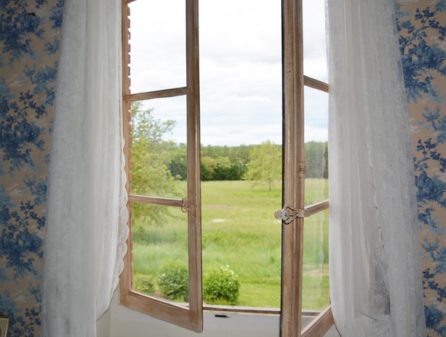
(374, 261)
(87, 221)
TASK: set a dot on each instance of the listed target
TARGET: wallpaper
(29, 44)
(422, 32)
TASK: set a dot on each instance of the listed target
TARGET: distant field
(239, 231)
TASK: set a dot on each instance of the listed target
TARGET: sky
(240, 67)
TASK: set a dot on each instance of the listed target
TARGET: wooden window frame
(191, 316)
(294, 82)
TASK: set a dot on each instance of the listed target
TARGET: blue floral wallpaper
(29, 45)
(422, 38)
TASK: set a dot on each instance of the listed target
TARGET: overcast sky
(240, 67)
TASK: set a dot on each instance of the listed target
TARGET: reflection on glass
(159, 251)
(241, 92)
(158, 45)
(316, 146)
(315, 53)
(158, 150)
(315, 292)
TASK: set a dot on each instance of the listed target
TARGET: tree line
(155, 162)
(239, 162)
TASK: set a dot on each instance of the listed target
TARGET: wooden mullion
(316, 84)
(294, 167)
(193, 166)
(242, 310)
(316, 208)
(157, 201)
(156, 94)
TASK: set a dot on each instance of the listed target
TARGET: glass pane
(316, 146)
(159, 251)
(158, 149)
(315, 53)
(315, 292)
(158, 45)
(241, 153)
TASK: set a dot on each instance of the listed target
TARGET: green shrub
(173, 282)
(143, 283)
(221, 286)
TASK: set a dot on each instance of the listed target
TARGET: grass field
(239, 231)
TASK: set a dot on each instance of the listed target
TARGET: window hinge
(288, 214)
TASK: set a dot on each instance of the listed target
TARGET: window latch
(288, 214)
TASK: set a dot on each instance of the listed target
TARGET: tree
(316, 159)
(150, 155)
(265, 163)
(325, 174)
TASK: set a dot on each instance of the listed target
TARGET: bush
(173, 282)
(143, 283)
(221, 286)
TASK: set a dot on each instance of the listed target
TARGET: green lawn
(239, 231)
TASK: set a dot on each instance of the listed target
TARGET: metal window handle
(288, 214)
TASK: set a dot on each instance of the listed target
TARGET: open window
(153, 196)
(162, 128)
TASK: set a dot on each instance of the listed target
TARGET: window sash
(189, 316)
(294, 176)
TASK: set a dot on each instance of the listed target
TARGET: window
(176, 80)
(188, 315)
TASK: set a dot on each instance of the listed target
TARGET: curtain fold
(87, 222)
(374, 261)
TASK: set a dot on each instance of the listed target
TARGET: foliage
(219, 168)
(150, 155)
(143, 283)
(235, 154)
(224, 170)
(265, 163)
(316, 159)
(178, 167)
(237, 221)
(173, 282)
(221, 286)
(231, 162)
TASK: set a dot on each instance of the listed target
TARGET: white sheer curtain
(374, 263)
(87, 225)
